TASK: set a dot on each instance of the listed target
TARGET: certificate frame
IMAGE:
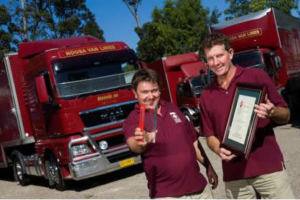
(242, 120)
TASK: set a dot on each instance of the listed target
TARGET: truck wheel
(19, 169)
(192, 115)
(188, 116)
(53, 174)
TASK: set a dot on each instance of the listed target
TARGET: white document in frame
(241, 119)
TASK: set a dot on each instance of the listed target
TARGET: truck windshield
(94, 73)
(248, 59)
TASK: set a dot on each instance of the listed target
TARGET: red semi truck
(183, 78)
(62, 104)
(269, 39)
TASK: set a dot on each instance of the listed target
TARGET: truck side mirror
(277, 62)
(41, 88)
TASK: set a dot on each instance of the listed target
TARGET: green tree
(242, 7)
(132, 6)
(178, 27)
(72, 18)
(46, 19)
(214, 16)
(5, 36)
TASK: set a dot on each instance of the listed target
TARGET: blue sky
(118, 24)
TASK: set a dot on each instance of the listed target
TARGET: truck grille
(115, 140)
(117, 149)
(107, 115)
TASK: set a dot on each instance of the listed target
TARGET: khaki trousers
(205, 194)
(274, 186)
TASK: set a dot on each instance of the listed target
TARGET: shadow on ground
(104, 179)
(7, 175)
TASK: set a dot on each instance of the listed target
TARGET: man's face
(219, 59)
(147, 93)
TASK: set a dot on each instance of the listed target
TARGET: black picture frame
(242, 120)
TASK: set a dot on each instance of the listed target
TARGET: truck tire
(53, 173)
(188, 116)
(192, 115)
(19, 169)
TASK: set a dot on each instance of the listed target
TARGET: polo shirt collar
(238, 72)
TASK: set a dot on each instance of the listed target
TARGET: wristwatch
(271, 112)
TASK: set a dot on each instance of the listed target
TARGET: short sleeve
(205, 121)
(272, 92)
(130, 124)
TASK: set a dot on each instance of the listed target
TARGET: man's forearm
(280, 115)
(214, 144)
(205, 161)
(198, 152)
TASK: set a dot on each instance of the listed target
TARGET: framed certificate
(242, 120)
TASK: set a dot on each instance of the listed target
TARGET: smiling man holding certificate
(238, 113)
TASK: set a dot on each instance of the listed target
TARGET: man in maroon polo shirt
(168, 144)
(263, 172)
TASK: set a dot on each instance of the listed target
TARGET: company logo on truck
(246, 34)
(107, 97)
(87, 50)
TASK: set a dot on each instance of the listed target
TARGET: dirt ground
(131, 183)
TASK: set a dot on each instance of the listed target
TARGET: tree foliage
(5, 36)
(178, 27)
(46, 19)
(242, 7)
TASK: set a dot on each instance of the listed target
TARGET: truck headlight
(81, 149)
(103, 145)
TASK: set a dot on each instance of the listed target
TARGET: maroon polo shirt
(265, 155)
(170, 164)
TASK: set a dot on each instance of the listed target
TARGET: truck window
(248, 59)
(94, 73)
(198, 83)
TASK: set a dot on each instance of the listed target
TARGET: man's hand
(226, 155)
(139, 137)
(280, 115)
(264, 110)
(212, 176)
(137, 142)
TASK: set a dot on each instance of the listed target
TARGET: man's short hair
(147, 75)
(216, 39)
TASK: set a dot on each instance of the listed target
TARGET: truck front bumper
(99, 165)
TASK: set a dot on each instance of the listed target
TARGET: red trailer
(269, 39)
(62, 104)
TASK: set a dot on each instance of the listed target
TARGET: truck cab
(264, 59)
(64, 104)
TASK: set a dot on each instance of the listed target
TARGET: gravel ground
(131, 182)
